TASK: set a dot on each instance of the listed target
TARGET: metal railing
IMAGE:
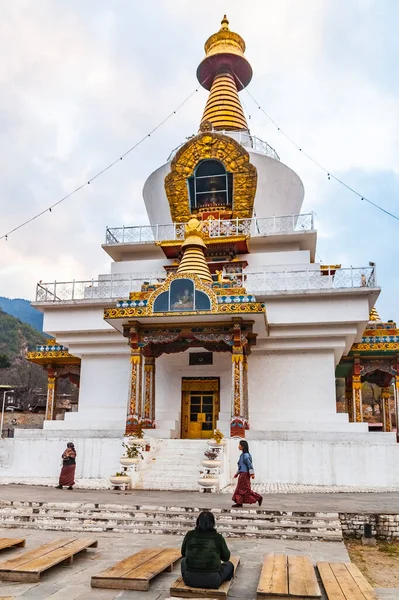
(258, 283)
(140, 234)
(245, 139)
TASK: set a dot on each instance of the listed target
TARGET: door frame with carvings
(189, 386)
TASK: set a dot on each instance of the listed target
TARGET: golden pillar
(386, 409)
(357, 399)
(134, 411)
(148, 411)
(239, 420)
(349, 398)
(51, 394)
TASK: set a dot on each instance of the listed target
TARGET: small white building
(214, 315)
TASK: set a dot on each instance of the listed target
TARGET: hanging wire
(329, 174)
(105, 169)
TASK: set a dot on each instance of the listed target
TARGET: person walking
(205, 555)
(67, 475)
(243, 493)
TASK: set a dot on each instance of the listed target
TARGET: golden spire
(374, 316)
(224, 71)
(193, 261)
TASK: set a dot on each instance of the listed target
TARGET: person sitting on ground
(205, 555)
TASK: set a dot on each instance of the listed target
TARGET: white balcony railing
(260, 283)
(251, 142)
(214, 228)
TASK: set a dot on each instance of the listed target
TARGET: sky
(82, 81)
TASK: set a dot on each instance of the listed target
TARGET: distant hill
(22, 310)
(16, 336)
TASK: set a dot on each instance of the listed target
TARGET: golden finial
(225, 22)
(224, 72)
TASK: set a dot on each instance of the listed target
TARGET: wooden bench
(28, 566)
(287, 577)
(344, 581)
(181, 590)
(6, 543)
(136, 571)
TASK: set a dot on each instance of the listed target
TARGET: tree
(4, 361)
(27, 377)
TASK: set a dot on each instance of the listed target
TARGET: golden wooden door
(200, 408)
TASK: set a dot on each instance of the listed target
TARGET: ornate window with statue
(210, 187)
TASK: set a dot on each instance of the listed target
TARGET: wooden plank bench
(181, 590)
(6, 543)
(135, 572)
(344, 581)
(286, 578)
(28, 567)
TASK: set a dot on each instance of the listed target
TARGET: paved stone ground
(388, 594)
(384, 502)
(72, 582)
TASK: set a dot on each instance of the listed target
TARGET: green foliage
(133, 451)
(4, 361)
(16, 337)
(22, 310)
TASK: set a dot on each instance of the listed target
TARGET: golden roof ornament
(193, 260)
(374, 316)
(224, 71)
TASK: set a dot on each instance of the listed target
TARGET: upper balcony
(248, 141)
(120, 242)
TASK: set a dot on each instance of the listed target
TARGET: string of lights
(329, 174)
(102, 171)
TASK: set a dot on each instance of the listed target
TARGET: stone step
(168, 529)
(92, 513)
(242, 525)
(246, 513)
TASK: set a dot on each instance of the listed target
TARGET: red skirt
(243, 493)
(67, 475)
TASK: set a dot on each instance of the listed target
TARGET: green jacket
(204, 550)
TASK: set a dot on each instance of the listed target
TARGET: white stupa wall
(279, 190)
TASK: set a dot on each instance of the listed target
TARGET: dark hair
(244, 445)
(71, 445)
(206, 521)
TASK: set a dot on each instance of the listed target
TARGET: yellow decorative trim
(391, 346)
(200, 385)
(51, 354)
(220, 147)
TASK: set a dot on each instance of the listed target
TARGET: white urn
(215, 444)
(136, 442)
(208, 482)
(211, 464)
(128, 462)
(119, 479)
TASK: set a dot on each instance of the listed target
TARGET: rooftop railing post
(157, 234)
(351, 276)
(55, 291)
(307, 279)
(92, 289)
(293, 222)
(174, 231)
(73, 289)
(274, 223)
(312, 220)
(123, 234)
(236, 225)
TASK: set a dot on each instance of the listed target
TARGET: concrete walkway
(72, 582)
(387, 502)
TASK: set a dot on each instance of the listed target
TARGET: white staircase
(171, 465)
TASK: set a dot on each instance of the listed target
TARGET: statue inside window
(210, 186)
